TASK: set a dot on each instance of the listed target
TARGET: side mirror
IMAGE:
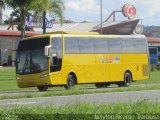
(46, 50)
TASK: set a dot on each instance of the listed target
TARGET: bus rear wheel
(71, 81)
(98, 85)
(127, 80)
(42, 88)
(102, 85)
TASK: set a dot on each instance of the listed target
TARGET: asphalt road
(100, 98)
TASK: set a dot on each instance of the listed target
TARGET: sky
(89, 10)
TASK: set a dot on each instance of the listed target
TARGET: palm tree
(56, 6)
(2, 3)
(23, 6)
(1, 6)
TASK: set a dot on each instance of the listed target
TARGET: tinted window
(33, 44)
(57, 47)
(86, 45)
(79, 45)
(128, 46)
(105, 45)
(134, 45)
(114, 46)
(56, 61)
(100, 46)
(71, 45)
(141, 46)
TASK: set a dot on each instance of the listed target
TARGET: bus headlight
(44, 75)
(19, 78)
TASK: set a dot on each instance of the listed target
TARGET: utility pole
(1, 14)
(44, 22)
(101, 17)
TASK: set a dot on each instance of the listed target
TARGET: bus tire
(107, 85)
(127, 79)
(98, 85)
(102, 85)
(71, 81)
(120, 84)
(42, 88)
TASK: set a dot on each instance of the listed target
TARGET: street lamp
(101, 16)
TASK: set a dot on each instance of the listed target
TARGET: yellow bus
(67, 59)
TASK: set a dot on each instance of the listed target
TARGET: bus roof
(74, 33)
(38, 36)
(62, 32)
(84, 34)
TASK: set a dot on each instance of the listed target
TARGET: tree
(56, 6)
(23, 6)
(1, 6)
(2, 3)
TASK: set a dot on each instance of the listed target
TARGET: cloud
(83, 6)
(150, 7)
(6, 13)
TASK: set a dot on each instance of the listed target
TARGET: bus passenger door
(56, 61)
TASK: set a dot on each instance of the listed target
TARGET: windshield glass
(30, 56)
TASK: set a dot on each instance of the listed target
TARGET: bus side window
(134, 45)
(71, 46)
(86, 45)
(100, 46)
(114, 46)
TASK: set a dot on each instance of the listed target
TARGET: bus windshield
(30, 56)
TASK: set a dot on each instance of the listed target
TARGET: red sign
(129, 11)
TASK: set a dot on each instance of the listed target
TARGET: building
(154, 49)
(8, 45)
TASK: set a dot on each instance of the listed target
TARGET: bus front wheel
(71, 81)
(42, 88)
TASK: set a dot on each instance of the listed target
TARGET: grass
(8, 80)
(83, 111)
(9, 84)
(76, 91)
(154, 79)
